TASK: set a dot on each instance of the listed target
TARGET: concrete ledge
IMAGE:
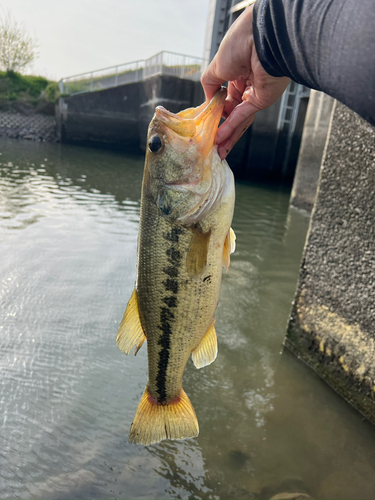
(318, 116)
(332, 324)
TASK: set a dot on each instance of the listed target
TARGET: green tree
(17, 47)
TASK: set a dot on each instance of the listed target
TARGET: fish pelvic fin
(229, 247)
(196, 259)
(130, 332)
(154, 422)
(206, 351)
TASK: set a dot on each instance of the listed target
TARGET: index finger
(211, 83)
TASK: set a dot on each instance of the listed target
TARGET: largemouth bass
(184, 241)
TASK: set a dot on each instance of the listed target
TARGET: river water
(268, 425)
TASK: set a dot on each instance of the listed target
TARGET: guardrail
(163, 63)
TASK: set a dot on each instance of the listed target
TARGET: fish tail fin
(154, 422)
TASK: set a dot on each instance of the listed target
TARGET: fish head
(179, 156)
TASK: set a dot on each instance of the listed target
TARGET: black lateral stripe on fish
(166, 316)
(170, 301)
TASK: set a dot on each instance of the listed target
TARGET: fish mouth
(197, 124)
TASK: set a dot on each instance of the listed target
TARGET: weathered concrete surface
(120, 116)
(314, 138)
(332, 324)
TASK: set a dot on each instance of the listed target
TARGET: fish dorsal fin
(229, 247)
(206, 351)
(130, 332)
(196, 259)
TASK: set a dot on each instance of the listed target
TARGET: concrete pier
(314, 138)
(332, 324)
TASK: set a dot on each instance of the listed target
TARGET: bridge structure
(163, 63)
(113, 106)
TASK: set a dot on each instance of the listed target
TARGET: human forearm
(328, 45)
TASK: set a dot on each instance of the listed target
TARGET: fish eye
(155, 144)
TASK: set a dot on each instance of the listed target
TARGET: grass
(31, 92)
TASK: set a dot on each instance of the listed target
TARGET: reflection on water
(68, 230)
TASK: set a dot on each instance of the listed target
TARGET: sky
(76, 36)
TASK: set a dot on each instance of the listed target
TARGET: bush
(34, 85)
(26, 89)
(52, 92)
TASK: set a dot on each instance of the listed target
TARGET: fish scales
(173, 321)
(184, 241)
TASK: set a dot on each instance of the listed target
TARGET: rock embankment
(27, 124)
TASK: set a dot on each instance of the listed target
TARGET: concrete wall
(120, 116)
(217, 23)
(314, 138)
(332, 325)
(211, 29)
(263, 144)
(261, 153)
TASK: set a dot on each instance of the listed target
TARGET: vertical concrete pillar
(314, 137)
(332, 324)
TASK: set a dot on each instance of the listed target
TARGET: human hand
(250, 88)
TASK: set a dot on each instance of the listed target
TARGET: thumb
(210, 80)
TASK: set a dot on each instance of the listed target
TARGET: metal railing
(163, 63)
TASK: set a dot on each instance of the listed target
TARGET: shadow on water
(68, 230)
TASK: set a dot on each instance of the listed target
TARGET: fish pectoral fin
(130, 332)
(206, 351)
(232, 236)
(141, 341)
(196, 259)
(154, 422)
(229, 247)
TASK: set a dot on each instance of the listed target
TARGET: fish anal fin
(130, 332)
(196, 259)
(229, 247)
(154, 422)
(206, 351)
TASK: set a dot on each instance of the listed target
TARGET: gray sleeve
(327, 45)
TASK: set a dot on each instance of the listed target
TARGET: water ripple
(68, 233)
